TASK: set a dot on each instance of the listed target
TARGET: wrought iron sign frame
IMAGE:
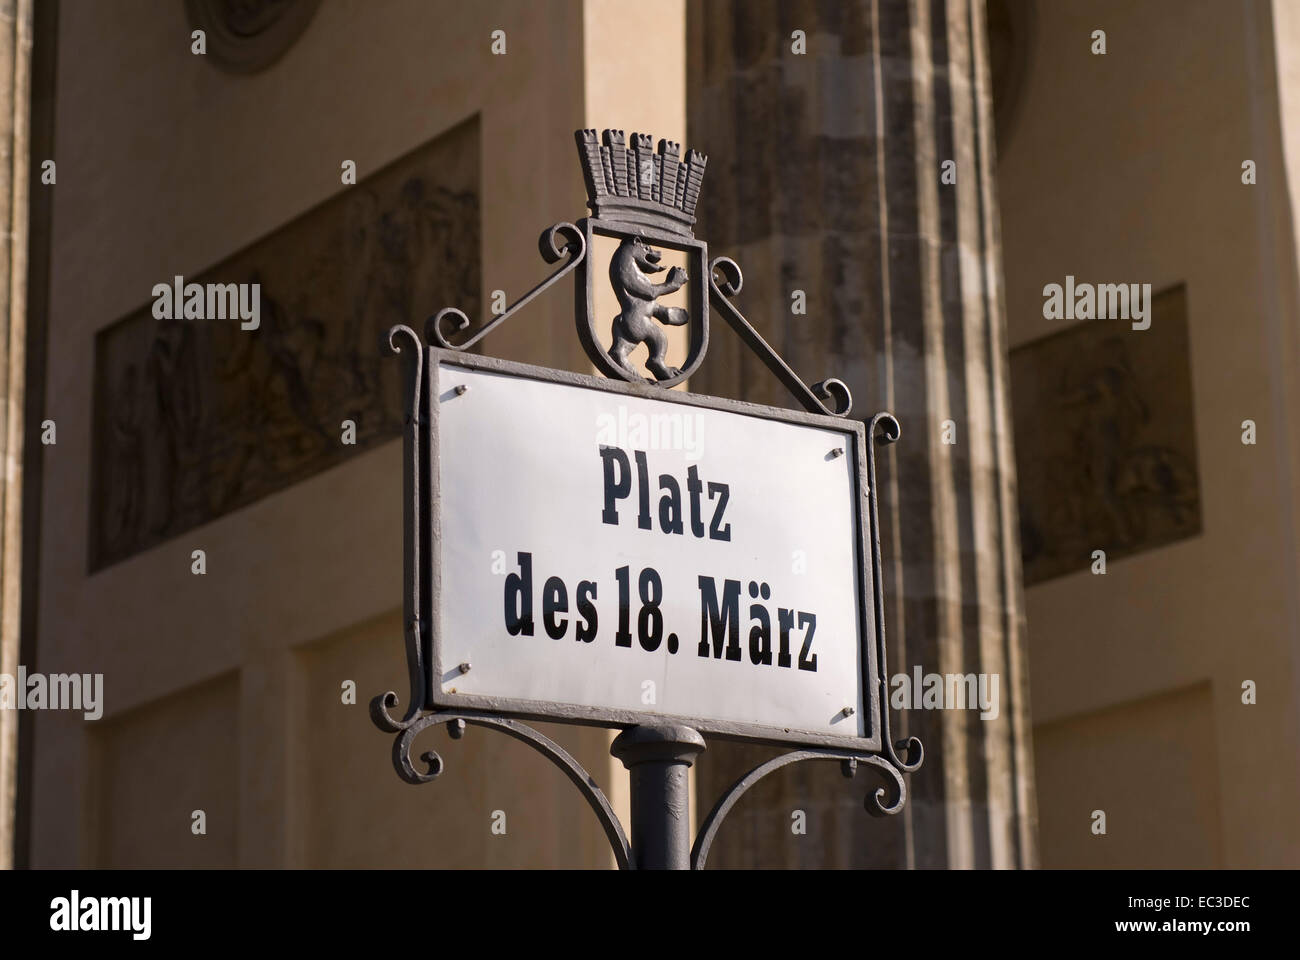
(646, 199)
(438, 671)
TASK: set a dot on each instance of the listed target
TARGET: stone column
(826, 176)
(15, 74)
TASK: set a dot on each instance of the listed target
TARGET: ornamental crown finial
(636, 184)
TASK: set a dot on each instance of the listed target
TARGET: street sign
(612, 552)
(616, 554)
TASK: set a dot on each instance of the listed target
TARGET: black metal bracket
(574, 247)
(875, 803)
(408, 729)
(811, 397)
(725, 281)
(675, 745)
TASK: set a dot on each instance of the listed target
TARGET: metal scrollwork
(875, 802)
(414, 353)
(408, 730)
(833, 390)
(574, 247)
(891, 431)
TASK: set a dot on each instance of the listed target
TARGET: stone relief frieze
(197, 417)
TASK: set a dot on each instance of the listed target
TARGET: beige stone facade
(241, 693)
(1129, 166)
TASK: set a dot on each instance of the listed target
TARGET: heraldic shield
(643, 198)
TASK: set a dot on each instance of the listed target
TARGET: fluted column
(826, 176)
(15, 74)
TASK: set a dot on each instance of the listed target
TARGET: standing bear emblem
(629, 273)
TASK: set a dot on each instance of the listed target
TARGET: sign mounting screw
(462, 389)
(463, 667)
(837, 452)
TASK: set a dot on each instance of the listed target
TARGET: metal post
(657, 759)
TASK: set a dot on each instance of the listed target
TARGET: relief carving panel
(1105, 436)
(195, 418)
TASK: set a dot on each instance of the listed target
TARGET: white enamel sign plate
(608, 556)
